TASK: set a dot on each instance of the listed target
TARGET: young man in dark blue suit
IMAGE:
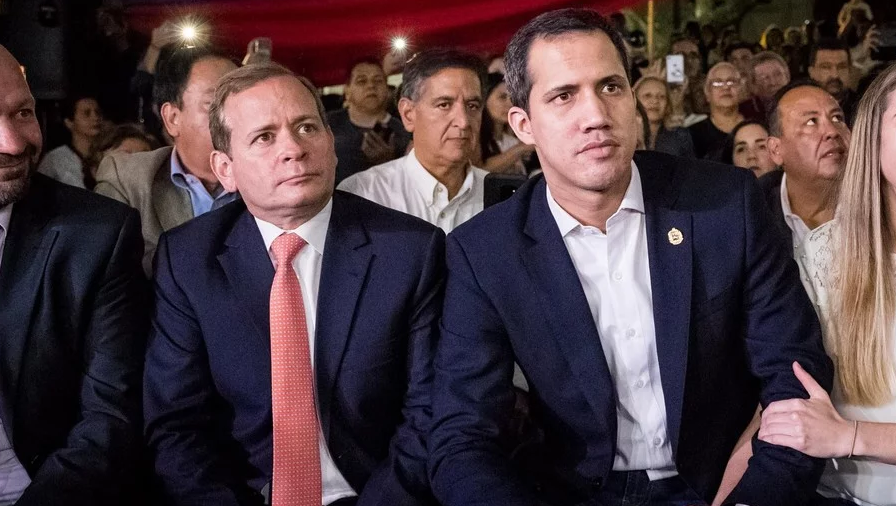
(648, 299)
(224, 413)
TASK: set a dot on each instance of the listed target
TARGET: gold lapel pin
(675, 237)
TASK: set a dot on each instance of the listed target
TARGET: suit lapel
(250, 272)
(25, 255)
(670, 252)
(344, 270)
(172, 204)
(571, 323)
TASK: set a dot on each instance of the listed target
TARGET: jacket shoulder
(133, 171)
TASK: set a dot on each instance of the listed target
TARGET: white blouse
(862, 481)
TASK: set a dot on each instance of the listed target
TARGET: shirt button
(657, 441)
(438, 189)
(630, 333)
(617, 275)
(639, 384)
(441, 215)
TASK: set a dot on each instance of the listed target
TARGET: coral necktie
(297, 479)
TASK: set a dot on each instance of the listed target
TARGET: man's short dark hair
(772, 115)
(547, 26)
(736, 46)
(430, 62)
(828, 45)
(173, 72)
(365, 60)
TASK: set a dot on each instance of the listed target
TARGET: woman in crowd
(722, 90)
(653, 95)
(746, 147)
(501, 150)
(850, 270)
(127, 138)
(83, 118)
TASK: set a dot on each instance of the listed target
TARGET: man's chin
(13, 191)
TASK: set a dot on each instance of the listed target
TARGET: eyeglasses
(724, 84)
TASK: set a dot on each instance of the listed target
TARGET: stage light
(188, 33)
(399, 43)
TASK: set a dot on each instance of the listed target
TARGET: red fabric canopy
(321, 38)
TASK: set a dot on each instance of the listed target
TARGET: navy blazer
(208, 382)
(730, 313)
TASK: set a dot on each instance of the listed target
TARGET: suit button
(597, 483)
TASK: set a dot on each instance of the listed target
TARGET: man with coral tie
(290, 360)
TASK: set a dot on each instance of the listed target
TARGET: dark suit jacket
(770, 185)
(73, 329)
(675, 141)
(208, 381)
(730, 315)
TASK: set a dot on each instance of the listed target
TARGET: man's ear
(775, 150)
(222, 166)
(522, 127)
(408, 113)
(69, 124)
(171, 118)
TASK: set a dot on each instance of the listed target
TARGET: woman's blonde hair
(864, 306)
(640, 82)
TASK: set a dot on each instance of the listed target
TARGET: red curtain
(320, 38)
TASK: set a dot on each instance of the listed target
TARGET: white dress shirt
(405, 185)
(614, 271)
(858, 480)
(13, 477)
(307, 265)
(63, 165)
(798, 227)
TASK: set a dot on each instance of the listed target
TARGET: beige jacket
(143, 181)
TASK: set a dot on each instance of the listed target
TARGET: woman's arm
(737, 464)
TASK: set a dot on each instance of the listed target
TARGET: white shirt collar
(785, 199)
(313, 231)
(5, 216)
(633, 200)
(428, 186)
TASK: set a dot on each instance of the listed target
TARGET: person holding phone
(366, 134)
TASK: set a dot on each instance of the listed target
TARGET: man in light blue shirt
(169, 186)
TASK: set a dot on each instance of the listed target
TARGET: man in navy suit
(648, 299)
(371, 284)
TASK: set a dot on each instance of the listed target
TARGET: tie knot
(286, 246)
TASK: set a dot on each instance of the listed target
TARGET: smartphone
(675, 68)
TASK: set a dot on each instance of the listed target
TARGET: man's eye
(25, 114)
(307, 128)
(812, 122)
(444, 105)
(563, 97)
(474, 106)
(264, 138)
(612, 88)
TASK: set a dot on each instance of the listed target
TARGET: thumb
(812, 387)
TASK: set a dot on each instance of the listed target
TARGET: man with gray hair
(291, 352)
(441, 105)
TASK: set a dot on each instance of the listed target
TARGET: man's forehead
(545, 49)
(276, 94)
(439, 82)
(769, 66)
(367, 69)
(832, 54)
(806, 99)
